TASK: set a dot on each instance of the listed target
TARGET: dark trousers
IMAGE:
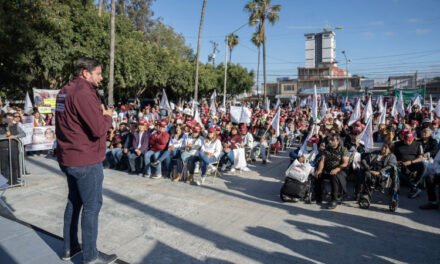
(431, 182)
(338, 184)
(411, 174)
(85, 191)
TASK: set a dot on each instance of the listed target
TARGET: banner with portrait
(45, 98)
(28, 128)
(43, 138)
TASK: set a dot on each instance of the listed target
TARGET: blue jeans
(114, 156)
(85, 191)
(159, 156)
(174, 159)
(228, 158)
(205, 161)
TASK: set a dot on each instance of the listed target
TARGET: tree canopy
(40, 39)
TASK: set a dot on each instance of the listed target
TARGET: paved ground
(237, 219)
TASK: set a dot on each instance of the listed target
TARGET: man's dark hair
(85, 63)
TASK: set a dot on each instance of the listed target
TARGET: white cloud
(413, 20)
(389, 34)
(367, 35)
(423, 31)
(378, 23)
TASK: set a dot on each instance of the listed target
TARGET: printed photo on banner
(28, 127)
(45, 98)
(43, 138)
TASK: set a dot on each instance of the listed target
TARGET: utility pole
(211, 57)
(226, 72)
(112, 55)
(346, 72)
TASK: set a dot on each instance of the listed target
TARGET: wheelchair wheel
(364, 202)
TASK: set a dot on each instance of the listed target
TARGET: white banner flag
(437, 109)
(164, 104)
(315, 105)
(366, 137)
(380, 103)
(28, 104)
(356, 115)
(323, 108)
(383, 115)
(400, 107)
(409, 108)
(276, 123)
(197, 116)
(417, 101)
(394, 112)
(368, 110)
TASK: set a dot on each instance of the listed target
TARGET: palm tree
(232, 42)
(112, 55)
(199, 43)
(256, 39)
(100, 7)
(260, 11)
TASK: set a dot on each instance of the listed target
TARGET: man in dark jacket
(82, 123)
(139, 145)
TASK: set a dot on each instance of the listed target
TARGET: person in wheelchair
(377, 169)
(332, 165)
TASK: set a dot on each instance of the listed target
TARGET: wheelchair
(384, 183)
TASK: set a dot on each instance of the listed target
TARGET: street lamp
(346, 72)
(226, 62)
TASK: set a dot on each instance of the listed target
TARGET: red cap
(414, 122)
(218, 129)
(435, 122)
(404, 131)
(123, 108)
(142, 122)
(358, 123)
(313, 140)
(408, 136)
(211, 130)
(197, 129)
(356, 131)
(163, 124)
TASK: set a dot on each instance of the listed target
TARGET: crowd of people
(154, 143)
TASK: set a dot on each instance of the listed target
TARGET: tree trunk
(258, 73)
(112, 55)
(230, 55)
(100, 7)
(199, 43)
(264, 58)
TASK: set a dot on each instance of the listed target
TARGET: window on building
(288, 87)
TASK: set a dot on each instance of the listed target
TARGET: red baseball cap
(408, 136)
(196, 129)
(163, 124)
(142, 122)
(211, 130)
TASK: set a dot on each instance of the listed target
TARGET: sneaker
(103, 259)
(233, 170)
(69, 254)
(202, 181)
(245, 169)
(332, 205)
(157, 176)
(429, 206)
(212, 168)
(414, 194)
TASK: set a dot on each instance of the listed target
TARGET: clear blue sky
(381, 37)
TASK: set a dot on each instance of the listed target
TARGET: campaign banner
(45, 98)
(45, 110)
(43, 138)
(28, 128)
(240, 114)
(410, 94)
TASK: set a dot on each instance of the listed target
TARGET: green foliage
(39, 40)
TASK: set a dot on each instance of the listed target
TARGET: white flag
(356, 115)
(267, 105)
(315, 105)
(394, 112)
(366, 137)
(417, 101)
(277, 103)
(323, 108)
(213, 96)
(431, 108)
(303, 102)
(164, 104)
(245, 116)
(437, 109)
(368, 110)
(383, 115)
(197, 116)
(409, 108)
(28, 104)
(380, 103)
(400, 107)
(313, 131)
(276, 123)
(212, 109)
